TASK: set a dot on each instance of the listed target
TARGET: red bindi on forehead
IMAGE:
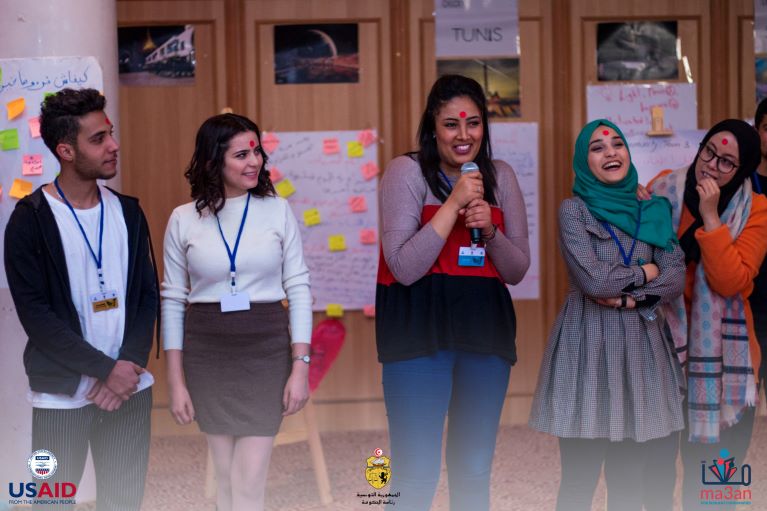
(605, 132)
(252, 143)
(463, 115)
(725, 141)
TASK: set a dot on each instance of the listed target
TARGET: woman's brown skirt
(236, 365)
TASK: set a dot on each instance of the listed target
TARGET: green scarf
(617, 203)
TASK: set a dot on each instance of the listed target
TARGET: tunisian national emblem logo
(378, 470)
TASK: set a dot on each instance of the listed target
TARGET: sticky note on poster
(369, 170)
(34, 127)
(275, 175)
(369, 311)
(331, 146)
(285, 188)
(334, 310)
(366, 138)
(20, 189)
(337, 243)
(358, 204)
(270, 142)
(354, 149)
(32, 165)
(15, 107)
(9, 139)
(368, 236)
(312, 217)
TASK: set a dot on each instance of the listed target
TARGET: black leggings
(624, 465)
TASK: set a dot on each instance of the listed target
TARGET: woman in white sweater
(231, 256)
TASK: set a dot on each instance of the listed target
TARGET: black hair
(444, 89)
(761, 111)
(204, 172)
(60, 115)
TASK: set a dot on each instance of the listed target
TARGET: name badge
(232, 302)
(104, 301)
(468, 256)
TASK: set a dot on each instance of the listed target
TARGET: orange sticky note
(34, 127)
(334, 310)
(285, 188)
(354, 149)
(366, 137)
(369, 311)
(312, 217)
(358, 204)
(20, 189)
(275, 174)
(368, 236)
(369, 170)
(270, 142)
(336, 243)
(15, 107)
(32, 165)
(331, 146)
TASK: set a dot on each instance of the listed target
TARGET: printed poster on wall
(466, 28)
(25, 161)
(628, 105)
(760, 48)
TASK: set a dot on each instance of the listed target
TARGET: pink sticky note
(369, 170)
(275, 174)
(331, 146)
(368, 236)
(270, 142)
(34, 127)
(369, 310)
(366, 137)
(32, 165)
(358, 204)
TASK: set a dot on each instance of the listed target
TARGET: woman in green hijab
(609, 383)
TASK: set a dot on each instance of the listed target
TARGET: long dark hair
(204, 172)
(444, 89)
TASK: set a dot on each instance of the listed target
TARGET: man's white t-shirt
(103, 330)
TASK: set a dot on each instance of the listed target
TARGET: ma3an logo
(722, 480)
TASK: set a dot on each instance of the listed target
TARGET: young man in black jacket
(82, 277)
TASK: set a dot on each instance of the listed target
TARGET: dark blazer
(56, 354)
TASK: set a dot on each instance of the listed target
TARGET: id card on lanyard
(105, 299)
(467, 256)
(234, 300)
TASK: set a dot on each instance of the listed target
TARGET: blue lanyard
(447, 181)
(626, 259)
(233, 255)
(97, 259)
(757, 184)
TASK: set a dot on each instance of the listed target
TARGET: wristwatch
(304, 358)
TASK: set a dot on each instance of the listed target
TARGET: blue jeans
(470, 388)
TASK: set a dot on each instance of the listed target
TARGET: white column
(46, 28)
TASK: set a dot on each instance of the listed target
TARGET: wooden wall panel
(351, 396)
(158, 124)
(740, 68)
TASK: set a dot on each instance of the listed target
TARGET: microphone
(476, 233)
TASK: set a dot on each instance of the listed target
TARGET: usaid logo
(42, 464)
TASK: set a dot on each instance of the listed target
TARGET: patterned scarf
(714, 343)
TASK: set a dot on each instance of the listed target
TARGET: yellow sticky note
(285, 188)
(312, 217)
(334, 310)
(32, 165)
(34, 127)
(15, 107)
(20, 189)
(354, 149)
(336, 243)
(9, 139)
